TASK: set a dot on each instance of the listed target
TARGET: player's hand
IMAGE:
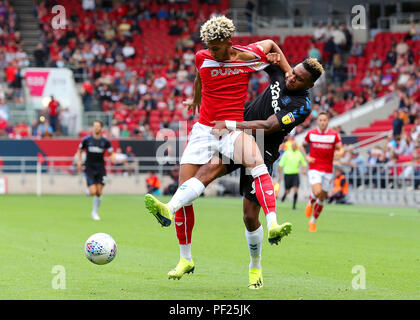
(288, 73)
(194, 106)
(309, 159)
(219, 128)
(79, 167)
(273, 58)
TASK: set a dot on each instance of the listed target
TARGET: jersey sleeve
(82, 144)
(199, 58)
(257, 49)
(295, 113)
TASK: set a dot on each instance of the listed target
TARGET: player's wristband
(230, 125)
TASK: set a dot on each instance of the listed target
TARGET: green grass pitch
(40, 233)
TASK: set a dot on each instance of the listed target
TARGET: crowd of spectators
(401, 146)
(381, 164)
(12, 60)
(396, 71)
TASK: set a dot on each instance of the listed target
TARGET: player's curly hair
(313, 66)
(218, 27)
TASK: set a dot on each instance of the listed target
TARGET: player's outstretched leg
(159, 210)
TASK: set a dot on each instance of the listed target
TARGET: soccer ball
(100, 248)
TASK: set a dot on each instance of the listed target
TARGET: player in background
(95, 146)
(223, 73)
(289, 164)
(323, 142)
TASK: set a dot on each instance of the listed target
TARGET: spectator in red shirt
(87, 92)
(11, 74)
(3, 126)
(53, 110)
(21, 130)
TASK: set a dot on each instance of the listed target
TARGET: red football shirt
(322, 147)
(225, 84)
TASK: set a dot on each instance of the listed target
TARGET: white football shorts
(323, 178)
(202, 145)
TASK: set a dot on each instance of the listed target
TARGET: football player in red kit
(223, 73)
(323, 142)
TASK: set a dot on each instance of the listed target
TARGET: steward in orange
(340, 189)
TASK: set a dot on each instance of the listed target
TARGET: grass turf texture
(39, 233)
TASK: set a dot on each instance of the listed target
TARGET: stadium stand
(12, 60)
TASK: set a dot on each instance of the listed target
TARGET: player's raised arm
(275, 55)
(302, 77)
(269, 126)
(288, 118)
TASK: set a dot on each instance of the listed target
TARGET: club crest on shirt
(288, 118)
(286, 100)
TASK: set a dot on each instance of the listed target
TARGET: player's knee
(253, 161)
(207, 176)
(249, 219)
(322, 196)
(317, 193)
(251, 215)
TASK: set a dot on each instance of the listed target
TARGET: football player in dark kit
(95, 146)
(280, 108)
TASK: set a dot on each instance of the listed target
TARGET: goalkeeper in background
(289, 163)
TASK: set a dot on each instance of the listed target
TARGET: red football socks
(319, 205)
(184, 224)
(264, 188)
